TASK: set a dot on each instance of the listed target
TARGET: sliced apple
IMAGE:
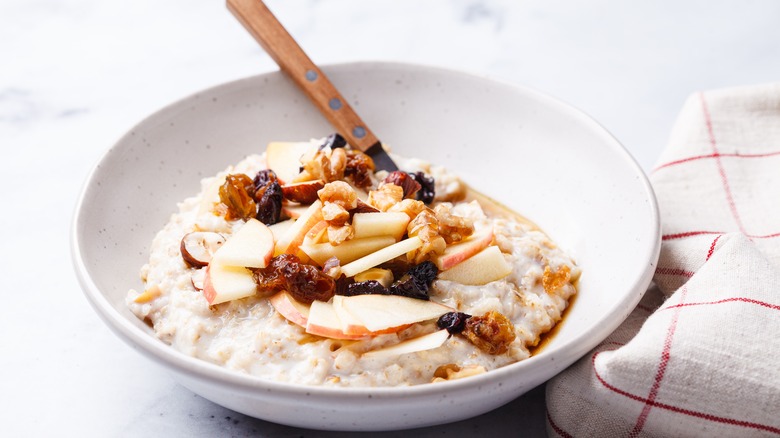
(352, 325)
(486, 266)
(294, 211)
(290, 241)
(279, 228)
(461, 251)
(383, 276)
(381, 256)
(324, 321)
(316, 234)
(381, 312)
(420, 343)
(380, 224)
(348, 251)
(226, 283)
(284, 158)
(290, 308)
(252, 246)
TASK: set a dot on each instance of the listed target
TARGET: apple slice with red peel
(381, 256)
(380, 224)
(382, 312)
(302, 192)
(352, 325)
(294, 211)
(284, 158)
(420, 343)
(348, 251)
(486, 266)
(324, 321)
(252, 246)
(461, 251)
(290, 308)
(289, 242)
(226, 283)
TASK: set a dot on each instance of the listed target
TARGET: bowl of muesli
(272, 268)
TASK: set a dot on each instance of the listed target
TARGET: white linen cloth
(700, 355)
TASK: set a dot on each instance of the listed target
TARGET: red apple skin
(462, 251)
(359, 330)
(330, 332)
(283, 303)
(208, 288)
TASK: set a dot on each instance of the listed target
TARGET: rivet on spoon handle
(255, 16)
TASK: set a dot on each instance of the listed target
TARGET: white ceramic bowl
(533, 153)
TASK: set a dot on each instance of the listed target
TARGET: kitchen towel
(700, 355)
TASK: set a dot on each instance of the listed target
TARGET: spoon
(255, 16)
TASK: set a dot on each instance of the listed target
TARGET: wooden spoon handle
(266, 29)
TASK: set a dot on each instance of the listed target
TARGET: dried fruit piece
(405, 181)
(198, 247)
(236, 194)
(264, 177)
(148, 295)
(302, 192)
(369, 287)
(304, 282)
(428, 187)
(491, 332)
(553, 281)
(269, 204)
(454, 322)
(359, 167)
(416, 282)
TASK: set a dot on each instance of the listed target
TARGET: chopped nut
(491, 332)
(339, 192)
(327, 165)
(148, 295)
(553, 281)
(411, 207)
(405, 181)
(386, 196)
(338, 234)
(426, 227)
(334, 214)
(453, 371)
(451, 227)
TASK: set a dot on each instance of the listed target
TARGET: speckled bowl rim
(564, 354)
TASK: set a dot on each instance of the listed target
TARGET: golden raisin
(553, 281)
(491, 332)
(360, 167)
(236, 194)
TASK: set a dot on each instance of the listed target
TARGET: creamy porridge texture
(360, 278)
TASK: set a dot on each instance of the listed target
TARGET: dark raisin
(334, 141)
(428, 187)
(236, 194)
(369, 287)
(269, 206)
(342, 283)
(416, 282)
(405, 181)
(454, 322)
(264, 177)
(304, 282)
(359, 167)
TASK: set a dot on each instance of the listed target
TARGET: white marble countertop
(76, 74)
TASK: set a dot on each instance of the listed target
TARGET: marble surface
(76, 74)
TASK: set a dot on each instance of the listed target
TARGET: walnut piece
(386, 196)
(339, 234)
(339, 192)
(451, 227)
(411, 207)
(327, 165)
(426, 227)
(334, 214)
